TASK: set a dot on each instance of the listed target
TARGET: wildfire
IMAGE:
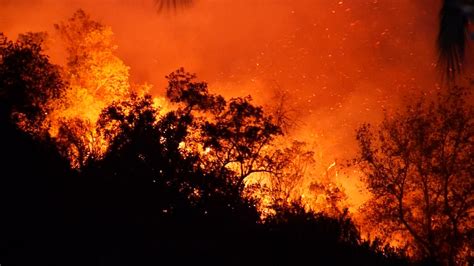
(97, 78)
(323, 51)
(329, 60)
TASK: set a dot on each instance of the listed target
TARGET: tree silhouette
(235, 134)
(28, 81)
(32, 172)
(419, 167)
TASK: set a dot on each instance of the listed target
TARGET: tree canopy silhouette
(234, 134)
(169, 188)
(419, 167)
(28, 81)
(32, 171)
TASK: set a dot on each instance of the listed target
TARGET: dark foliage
(33, 174)
(147, 202)
(27, 80)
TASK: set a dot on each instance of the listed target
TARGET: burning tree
(287, 182)
(64, 103)
(96, 78)
(293, 179)
(419, 166)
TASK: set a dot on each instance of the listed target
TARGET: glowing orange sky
(340, 61)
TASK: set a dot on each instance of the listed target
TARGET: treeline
(148, 200)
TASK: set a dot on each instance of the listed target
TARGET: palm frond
(166, 5)
(452, 37)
